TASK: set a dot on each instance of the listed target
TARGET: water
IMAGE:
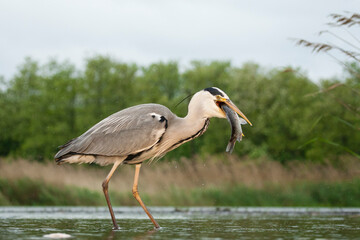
(181, 223)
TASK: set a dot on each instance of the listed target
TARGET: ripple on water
(180, 223)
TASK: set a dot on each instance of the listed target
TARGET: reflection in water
(201, 223)
(146, 235)
(118, 234)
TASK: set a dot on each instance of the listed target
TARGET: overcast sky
(153, 30)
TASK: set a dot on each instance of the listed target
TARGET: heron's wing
(126, 132)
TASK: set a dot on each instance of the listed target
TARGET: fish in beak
(235, 123)
(231, 112)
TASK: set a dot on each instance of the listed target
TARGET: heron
(142, 132)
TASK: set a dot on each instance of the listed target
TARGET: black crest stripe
(214, 91)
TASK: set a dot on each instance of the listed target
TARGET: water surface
(181, 223)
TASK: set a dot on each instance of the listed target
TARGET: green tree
(160, 82)
(42, 104)
(106, 87)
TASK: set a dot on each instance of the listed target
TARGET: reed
(198, 172)
(220, 180)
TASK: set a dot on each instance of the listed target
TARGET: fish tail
(230, 147)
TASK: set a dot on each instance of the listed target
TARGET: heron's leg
(105, 189)
(137, 196)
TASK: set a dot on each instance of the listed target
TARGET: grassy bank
(211, 181)
(340, 194)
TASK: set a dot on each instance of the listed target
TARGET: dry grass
(185, 174)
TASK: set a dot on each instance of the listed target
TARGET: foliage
(44, 106)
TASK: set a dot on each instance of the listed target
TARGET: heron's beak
(233, 107)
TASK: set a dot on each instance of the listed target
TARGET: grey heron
(143, 132)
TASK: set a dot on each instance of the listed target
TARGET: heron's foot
(115, 228)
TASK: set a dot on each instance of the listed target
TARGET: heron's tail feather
(75, 146)
(88, 158)
(75, 158)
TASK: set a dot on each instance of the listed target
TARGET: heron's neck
(196, 115)
(187, 128)
(191, 126)
(195, 110)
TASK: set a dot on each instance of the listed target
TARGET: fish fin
(240, 137)
(242, 121)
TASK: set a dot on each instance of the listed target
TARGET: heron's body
(116, 138)
(143, 132)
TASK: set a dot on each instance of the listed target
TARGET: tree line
(45, 105)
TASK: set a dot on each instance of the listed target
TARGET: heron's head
(209, 100)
